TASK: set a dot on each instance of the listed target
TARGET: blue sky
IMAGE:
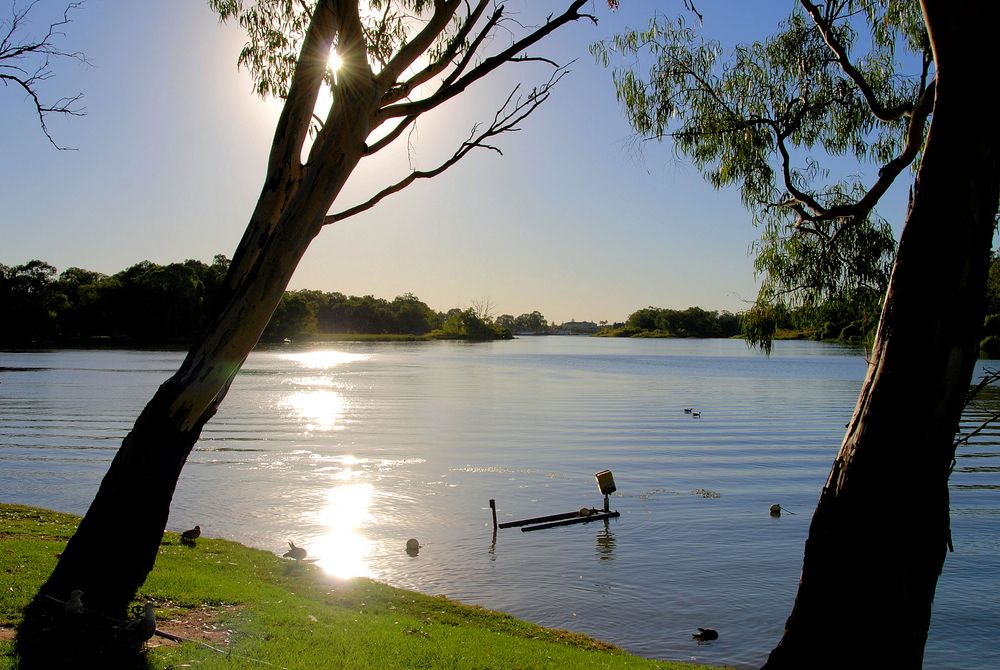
(571, 221)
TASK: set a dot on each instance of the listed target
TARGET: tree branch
(880, 111)
(297, 112)
(888, 173)
(403, 90)
(13, 71)
(487, 66)
(444, 10)
(505, 120)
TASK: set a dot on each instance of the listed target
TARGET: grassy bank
(238, 607)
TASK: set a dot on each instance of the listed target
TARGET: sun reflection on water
(321, 410)
(322, 360)
(343, 550)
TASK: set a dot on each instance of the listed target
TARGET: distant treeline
(151, 304)
(690, 322)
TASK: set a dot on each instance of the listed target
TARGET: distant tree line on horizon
(149, 304)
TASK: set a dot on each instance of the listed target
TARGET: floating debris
(707, 493)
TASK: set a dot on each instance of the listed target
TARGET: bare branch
(506, 120)
(403, 90)
(444, 10)
(25, 64)
(474, 47)
(487, 66)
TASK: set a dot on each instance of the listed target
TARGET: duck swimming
(706, 634)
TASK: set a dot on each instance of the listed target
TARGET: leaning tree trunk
(880, 532)
(115, 546)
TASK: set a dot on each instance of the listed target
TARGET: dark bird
(298, 553)
(688, 410)
(191, 535)
(706, 634)
(695, 414)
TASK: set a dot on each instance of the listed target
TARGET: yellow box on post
(606, 482)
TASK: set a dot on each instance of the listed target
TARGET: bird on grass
(706, 634)
(142, 628)
(189, 536)
(74, 605)
(298, 553)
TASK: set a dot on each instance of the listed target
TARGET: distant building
(578, 328)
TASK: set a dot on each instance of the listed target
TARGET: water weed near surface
(239, 607)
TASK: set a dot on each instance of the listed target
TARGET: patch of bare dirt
(197, 625)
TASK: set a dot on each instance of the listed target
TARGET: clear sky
(572, 221)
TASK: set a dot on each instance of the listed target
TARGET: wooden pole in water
(493, 508)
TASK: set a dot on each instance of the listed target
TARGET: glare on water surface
(322, 360)
(343, 550)
(315, 402)
(321, 410)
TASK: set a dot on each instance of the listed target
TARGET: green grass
(280, 614)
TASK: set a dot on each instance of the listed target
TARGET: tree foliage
(148, 303)
(690, 322)
(771, 117)
(534, 323)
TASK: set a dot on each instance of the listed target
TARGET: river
(351, 449)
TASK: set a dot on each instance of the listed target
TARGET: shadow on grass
(50, 637)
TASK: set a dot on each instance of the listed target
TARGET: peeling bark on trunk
(881, 530)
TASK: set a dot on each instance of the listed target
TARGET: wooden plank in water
(568, 521)
(539, 519)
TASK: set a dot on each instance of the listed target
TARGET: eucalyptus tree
(400, 60)
(856, 79)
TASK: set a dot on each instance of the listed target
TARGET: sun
(334, 61)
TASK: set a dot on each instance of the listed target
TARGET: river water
(351, 449)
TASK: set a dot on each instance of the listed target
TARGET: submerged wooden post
(493, 508)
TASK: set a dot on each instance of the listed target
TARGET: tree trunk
(115, 546)
(881, 529)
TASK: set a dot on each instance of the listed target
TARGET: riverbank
(228, 603)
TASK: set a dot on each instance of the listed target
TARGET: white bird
(74, 605)
(146, 626)
(143, 628)
(298, 553)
